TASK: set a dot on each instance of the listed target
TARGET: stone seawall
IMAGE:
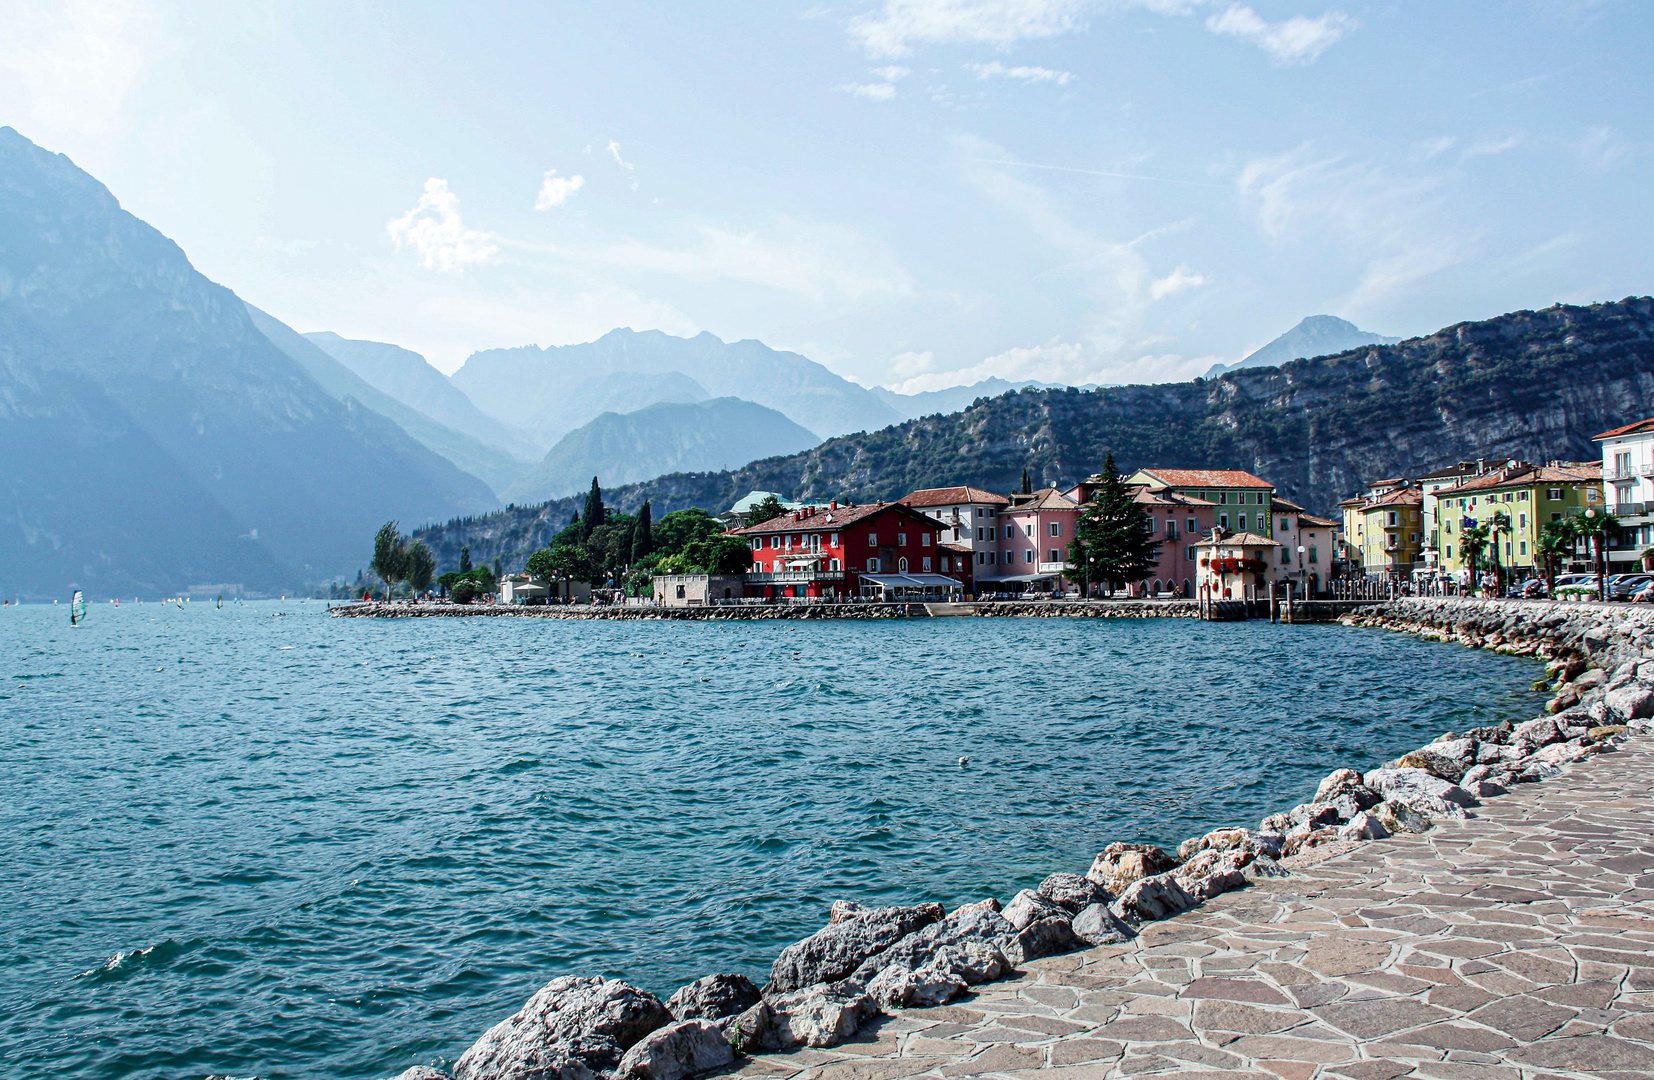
(1039, 609)
(1598, 635)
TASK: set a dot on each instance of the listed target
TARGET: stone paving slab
(1517, 945)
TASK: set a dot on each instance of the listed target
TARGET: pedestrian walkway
(1518, 945)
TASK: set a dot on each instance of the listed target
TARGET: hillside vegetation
(1533, 384)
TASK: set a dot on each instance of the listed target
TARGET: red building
(825, 551)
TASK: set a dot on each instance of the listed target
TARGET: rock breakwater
(870, 961)
(1046, 609)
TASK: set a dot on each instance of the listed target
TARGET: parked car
(1529, 589)
(1621, 586)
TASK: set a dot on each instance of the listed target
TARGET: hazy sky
(914, 192)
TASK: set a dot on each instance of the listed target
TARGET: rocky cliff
(1532, 384)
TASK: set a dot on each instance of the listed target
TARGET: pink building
(1035, 531)
(1178, 522)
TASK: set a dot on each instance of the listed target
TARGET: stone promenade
(1517, 945)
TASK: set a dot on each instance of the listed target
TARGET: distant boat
(77, 609)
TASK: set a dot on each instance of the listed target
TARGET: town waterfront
(257, 841)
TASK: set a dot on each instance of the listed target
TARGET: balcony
(794, 577)
(1051, 567)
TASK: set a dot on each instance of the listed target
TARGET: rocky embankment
(869, 961)
(1048, 609)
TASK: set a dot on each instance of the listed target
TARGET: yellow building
(1383, 529)
(1529, 495)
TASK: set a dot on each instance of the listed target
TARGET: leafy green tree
(681, 528)
(565, 562)
(1556, 541)
(1595, 527)
(1498, 522)
(390, 555)
(725, 554)
(465, 559)
(420, 566)
(1112, 543)
(643, 535)
(766, 510)
(1472, 542)
(594, 507)
(610, 545)
(464, 591)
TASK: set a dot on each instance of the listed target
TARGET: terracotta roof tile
(1244, 539)
(1638, 428)
(826, 520)
(1233, 478)
(952, 496)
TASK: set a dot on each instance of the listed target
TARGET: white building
(1628, 490)
(970, 519)
(1308, 546)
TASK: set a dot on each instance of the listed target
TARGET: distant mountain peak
(1315, 335)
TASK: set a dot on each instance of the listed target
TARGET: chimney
(833, 505)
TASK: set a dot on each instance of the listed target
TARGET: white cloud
(77, 60)
(555, 190)
(820, 262)
(436, 231)
(1180, 280)
(1298, 40)
(1023, 74)
(900, 23)
(1599, 148)
(892, 72)
(872, 91)
(614, 152)
(1395, 225)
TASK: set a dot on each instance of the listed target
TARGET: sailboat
(77, 609)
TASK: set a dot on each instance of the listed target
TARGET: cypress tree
(643, 534)
(1027, 483)
(465, 559)
(594, 509)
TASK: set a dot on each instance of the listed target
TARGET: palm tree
(1498, 522)
(1556, 540)
(1472, 542)
(1595, 527)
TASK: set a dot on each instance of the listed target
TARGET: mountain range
(153, 437)
(1318, 335)
(723, 433)
(1530, 384)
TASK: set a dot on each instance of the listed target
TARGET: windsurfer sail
(77, 609)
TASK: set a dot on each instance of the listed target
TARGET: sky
(916, 193)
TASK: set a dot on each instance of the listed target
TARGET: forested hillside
(1532, 384)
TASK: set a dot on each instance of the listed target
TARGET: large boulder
(1120, 864)
(819, 1015)
(1630, 702)
(1029, 907)
(1337, 781)
(1210, 873)
(1073, 892)
(422, 1072)
(839, 948)
(713, 998)
(1245, 843)
(1364, 826)
(970, 938)
(570, 1029)
(677, 1051)
(1398, 817)
(1150, 898)
(1420, 789)
(898, 987)
(1097, 925)
(1446, 760)
(1043, 937)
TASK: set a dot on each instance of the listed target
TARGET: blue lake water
(257, 841)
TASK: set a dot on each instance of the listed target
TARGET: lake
(257, 841)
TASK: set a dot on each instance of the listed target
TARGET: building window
(1028, 555)
(901, 565)
(1521, 521)
(1521, 496)
(1223, 498)
(1243, 523)
(1056, 528)
(680, 592)
(1056, 556)
(981, 558)
(1449, 550)
(1171, 529)
(1189, 553)
(872, 539)
(1223, 521)
(775, 542)
(924, 564)
(833, 540)
(1286, 524)
(872, 566)
(1592, 494)
(1552, 494)
(757, 543)
(834, 565)
(1194, 527)
(924, 539)
(1390, 518)
(1524, 547)
(1555, 516)
(1010, 531)
(1028, 529)
(1312, 553)
(901, 539)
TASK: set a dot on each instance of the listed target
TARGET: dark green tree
(1498, 523)
(643, 535)
(1027, 483)
(465, 559)
(1556, 541)
(1472, 542)
(681, 528)
(420, 566)
(594, 507)
(565, 562)
(1112, 544)
(766, 510)
(726, 554)
(390, 555)
(1595, 527)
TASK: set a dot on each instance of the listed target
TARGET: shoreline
(872, 962)
(1304, 611)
